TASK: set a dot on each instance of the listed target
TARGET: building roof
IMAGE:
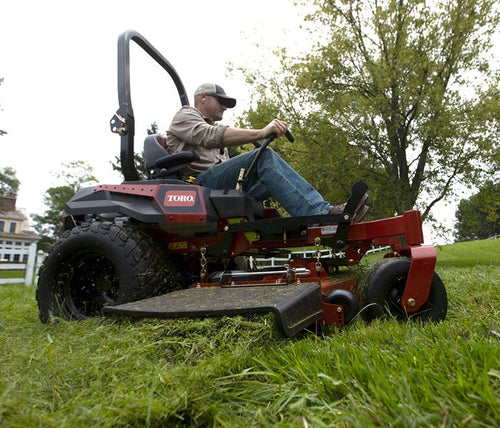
(9, 211)
(23, 236)
(13, 215)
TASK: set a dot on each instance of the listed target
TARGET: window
(12, 227)
(2, 225)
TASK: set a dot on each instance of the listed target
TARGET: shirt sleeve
(189, 126)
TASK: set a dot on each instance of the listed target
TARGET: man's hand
(237, 136)
(277, 127)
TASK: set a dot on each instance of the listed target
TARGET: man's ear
(199, 98)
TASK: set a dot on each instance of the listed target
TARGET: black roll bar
(123, 122)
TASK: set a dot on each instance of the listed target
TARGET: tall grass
(241, 371)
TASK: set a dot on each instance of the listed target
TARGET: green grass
(18, 273)
(241, 371)
(473, 253)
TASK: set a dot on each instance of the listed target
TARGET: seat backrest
(154, 149)
(160, 163)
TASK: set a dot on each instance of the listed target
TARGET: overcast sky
(58, 59)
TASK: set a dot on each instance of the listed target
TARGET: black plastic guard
(296, 306)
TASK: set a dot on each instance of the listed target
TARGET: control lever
(244, 175)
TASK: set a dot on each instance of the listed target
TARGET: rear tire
(100, 264)
(382, 288)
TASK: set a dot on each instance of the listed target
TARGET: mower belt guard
(296, 306)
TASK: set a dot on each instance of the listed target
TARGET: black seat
(160, 163)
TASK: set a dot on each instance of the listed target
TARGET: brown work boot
(337, 209)
(360, 214)
(361, 210)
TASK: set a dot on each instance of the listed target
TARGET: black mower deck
(296, 306)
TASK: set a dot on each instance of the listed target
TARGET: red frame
(403, 234)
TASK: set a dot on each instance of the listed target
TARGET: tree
(397, 93)
(9, 184)
(49, 225)
(2, 132)
(140, 166)
(479, 216)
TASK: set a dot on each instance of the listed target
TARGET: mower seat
(160, 163)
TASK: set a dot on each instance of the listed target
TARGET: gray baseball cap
(217, 92)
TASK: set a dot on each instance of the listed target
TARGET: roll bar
(123, 122)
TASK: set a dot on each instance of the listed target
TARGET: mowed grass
(241, 371)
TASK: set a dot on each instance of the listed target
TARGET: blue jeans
(272, 177)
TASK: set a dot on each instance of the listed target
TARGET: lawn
(18, 273)
(241, 371)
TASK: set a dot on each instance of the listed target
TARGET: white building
(17, 242)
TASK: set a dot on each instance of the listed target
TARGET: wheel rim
(88, 282)
(382, 290)
(394, 296)
(393, 301)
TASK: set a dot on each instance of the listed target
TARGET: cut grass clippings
(242, 371)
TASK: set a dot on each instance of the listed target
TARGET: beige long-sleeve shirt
(190, 131)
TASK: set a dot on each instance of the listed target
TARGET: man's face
(212, 108)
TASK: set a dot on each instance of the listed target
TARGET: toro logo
(179, 198)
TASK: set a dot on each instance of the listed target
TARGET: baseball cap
(216, 91)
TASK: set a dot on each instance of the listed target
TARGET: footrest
(296, 306)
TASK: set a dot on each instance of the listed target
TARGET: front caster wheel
(381, 291)
(345, 299)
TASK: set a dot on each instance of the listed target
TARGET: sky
(58, 61)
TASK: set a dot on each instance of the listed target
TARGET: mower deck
(296, 306)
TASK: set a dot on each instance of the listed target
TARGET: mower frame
(209, 229)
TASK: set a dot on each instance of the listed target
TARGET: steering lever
(248, 173)
(289, 136)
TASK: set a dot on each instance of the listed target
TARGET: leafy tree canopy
(399, 94)
(9, 184)
(49, 225)
(479, 216)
